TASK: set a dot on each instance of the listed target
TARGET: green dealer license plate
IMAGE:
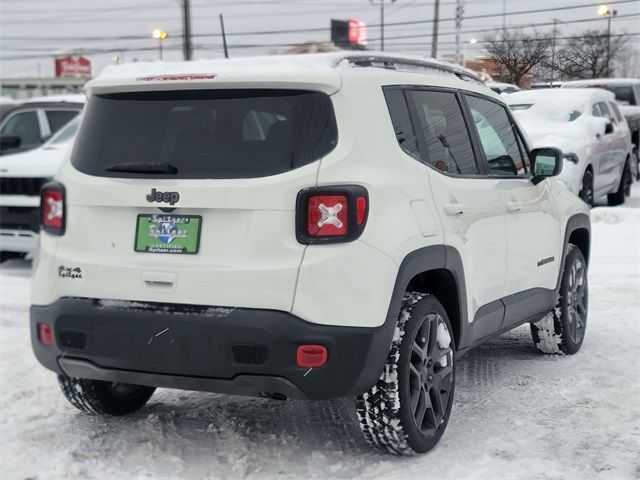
(168, 233)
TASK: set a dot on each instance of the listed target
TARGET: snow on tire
(562, 330)
(407, 410)
(95, 397)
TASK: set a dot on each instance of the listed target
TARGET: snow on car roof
(602, 81)
(563, 98)
(69, 98)
(321, 69)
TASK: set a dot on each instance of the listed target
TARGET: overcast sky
(32, 31)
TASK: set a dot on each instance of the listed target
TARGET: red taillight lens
(311, 356)
(361, 210)
(331, 214)
(45, 334)
(327, 215)
(52, 208)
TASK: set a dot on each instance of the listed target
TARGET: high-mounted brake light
(52, 208)
(331, 214)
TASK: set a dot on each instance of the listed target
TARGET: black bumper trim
(190, 347)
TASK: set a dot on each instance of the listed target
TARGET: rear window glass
(204, 134)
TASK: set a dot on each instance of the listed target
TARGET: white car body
(176, 142)
(565, 118)
(33, 167)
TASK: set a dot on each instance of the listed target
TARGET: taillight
(53, 208)
(45, 334)
(331, 214)
(311, 356)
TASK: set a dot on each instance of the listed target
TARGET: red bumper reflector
(45, 334)
(311, 356)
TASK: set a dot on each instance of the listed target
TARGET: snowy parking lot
(517, 413)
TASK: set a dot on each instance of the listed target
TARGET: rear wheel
(586, 194)
(562, 330)
(408, 409)
(624, 189)
(96, 397)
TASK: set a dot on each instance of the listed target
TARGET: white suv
(308, 227)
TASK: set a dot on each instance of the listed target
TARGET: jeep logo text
(163, 197)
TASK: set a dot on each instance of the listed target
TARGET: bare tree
(585, 55)
(517, 54)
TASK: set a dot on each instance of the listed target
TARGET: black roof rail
(397, 63)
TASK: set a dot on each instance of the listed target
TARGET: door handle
(455, 208)
(513, 206)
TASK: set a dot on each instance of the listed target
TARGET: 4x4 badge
(163, 197)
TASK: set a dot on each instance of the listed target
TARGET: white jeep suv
(331, 225)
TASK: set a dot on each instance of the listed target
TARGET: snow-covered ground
(517, 414)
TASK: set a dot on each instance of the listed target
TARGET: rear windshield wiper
(143, 168)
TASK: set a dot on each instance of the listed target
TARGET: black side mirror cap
(545, 162)
(608, 128)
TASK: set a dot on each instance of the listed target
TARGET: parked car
(30, 123)
(316, 226)
(587, 126)
(503, 87)
(21, 176)
(627, 92)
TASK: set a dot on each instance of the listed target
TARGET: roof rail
(404, 63)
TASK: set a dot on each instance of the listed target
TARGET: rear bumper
(238, 351)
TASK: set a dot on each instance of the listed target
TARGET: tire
(563, 329)
(418, 381)
(96, 397)
(586, 194)
(635, 157)
(624, 189)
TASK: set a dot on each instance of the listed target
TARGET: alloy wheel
(430, 373)
(577, 292)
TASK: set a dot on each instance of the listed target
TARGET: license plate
(165, 233)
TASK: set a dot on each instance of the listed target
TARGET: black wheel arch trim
(434, 257)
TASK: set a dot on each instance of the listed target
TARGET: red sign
(357, 32)
(73, 66)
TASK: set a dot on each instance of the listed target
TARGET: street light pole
(159, 35)
(382, 2)
(434, 35)
(553, 51)
(604, 10)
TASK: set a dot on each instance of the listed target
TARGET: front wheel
(96, 397)
(407, 410)
(586, 193)
(562, 330)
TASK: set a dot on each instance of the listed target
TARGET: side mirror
(545, 162)
(608, 128)
(8, 142)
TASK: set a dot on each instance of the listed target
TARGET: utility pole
(187, 49)
(382, 2)
(459, 17)
(504, 17)
(224, 37)
(434, 37)
(553, 50)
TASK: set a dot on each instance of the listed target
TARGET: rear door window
(442, 132)
(204, 134)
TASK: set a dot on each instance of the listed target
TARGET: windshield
(204, 133)
(66, 133)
